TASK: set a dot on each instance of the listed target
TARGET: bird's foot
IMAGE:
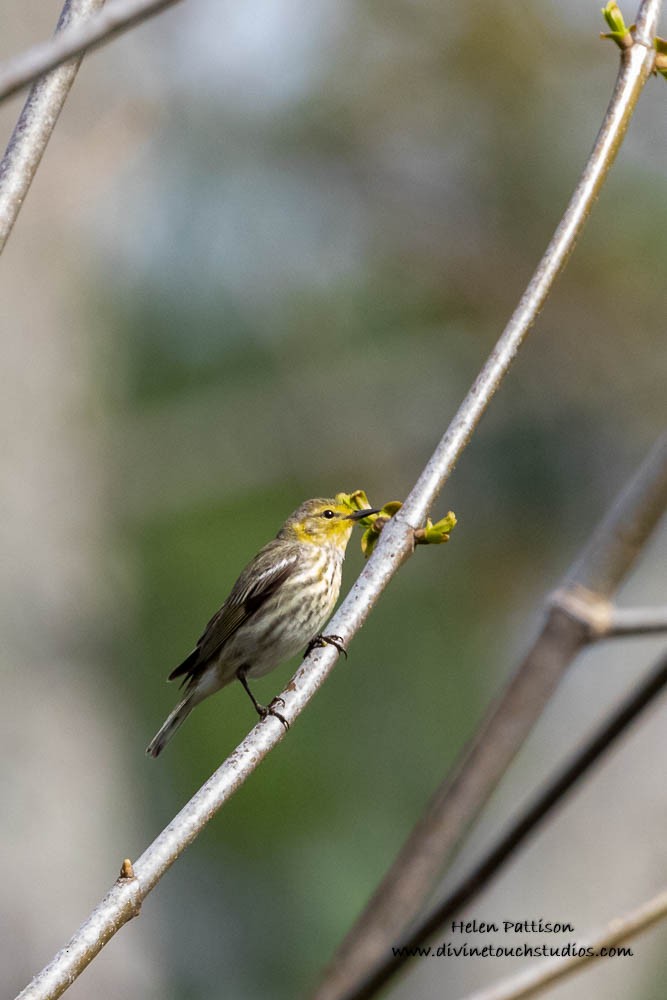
(264, 710)
(327, 640)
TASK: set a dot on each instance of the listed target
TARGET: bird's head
(323, 522)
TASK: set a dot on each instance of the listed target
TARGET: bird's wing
(255, 585)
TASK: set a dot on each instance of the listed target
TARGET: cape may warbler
(276, 607)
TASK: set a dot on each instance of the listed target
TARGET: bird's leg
(262, 710)
(326, 640)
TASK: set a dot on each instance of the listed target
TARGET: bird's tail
(170, 725)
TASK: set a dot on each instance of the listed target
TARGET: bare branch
(625, 529)
(118, 16)
(636, 67)
(530, 982)
(521, 829)
(394, 547)
(37, 122)
(638, 621)
(604, 620)
(601, 568)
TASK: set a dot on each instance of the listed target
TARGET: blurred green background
(267, 252)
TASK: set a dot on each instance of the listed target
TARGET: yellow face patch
(327, 521)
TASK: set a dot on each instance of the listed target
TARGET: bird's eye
(328, 514)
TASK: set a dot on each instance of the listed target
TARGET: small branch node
(591, 610)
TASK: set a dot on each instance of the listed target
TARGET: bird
(277, 606)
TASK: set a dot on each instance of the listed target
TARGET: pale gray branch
(601, 618)
(117, 16)
(601, 568)
(36, 123)
(636, 66)
(458, 801)
(637, 621)
(393, 548)
(535, 979)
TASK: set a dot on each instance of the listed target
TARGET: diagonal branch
(636, 66)
(394, 547)
(602, 567)
(523, 827)
(118, 16)
(37, 122)
(612, 550)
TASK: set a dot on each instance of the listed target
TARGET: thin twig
(604, 620)
(118, 16)
(601, 568)
(394, 547)
(36, 123)
(530, 982)
(521, 829)
(638, 621)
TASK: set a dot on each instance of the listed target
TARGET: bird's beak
(359, 515)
